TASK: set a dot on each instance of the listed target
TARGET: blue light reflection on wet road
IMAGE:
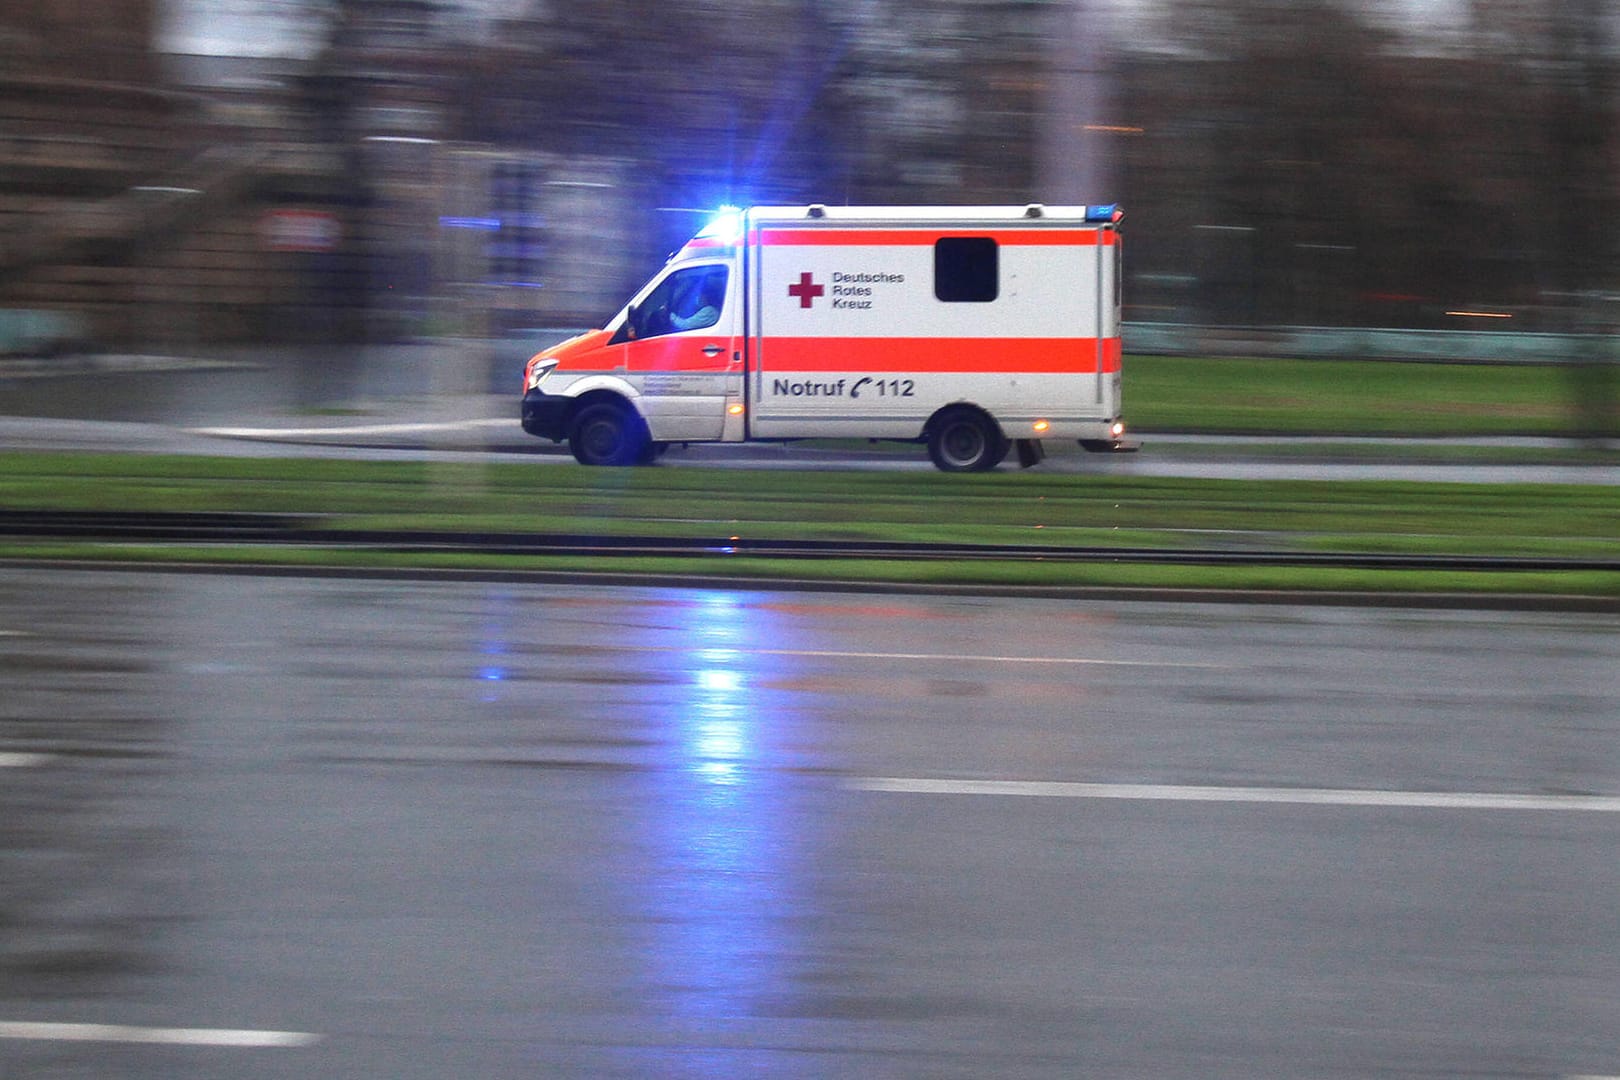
(724, 899)
(493, 644)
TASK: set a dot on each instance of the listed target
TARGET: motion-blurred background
(178, 173)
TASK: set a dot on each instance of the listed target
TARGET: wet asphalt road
(406, 829)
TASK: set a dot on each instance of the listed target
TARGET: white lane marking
(22, 761)
(970, 658)
(1421, 800)
(954, 658)
(354, 429)
(123, 1033)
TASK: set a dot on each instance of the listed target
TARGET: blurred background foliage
(344, 169)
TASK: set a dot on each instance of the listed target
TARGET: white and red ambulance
(969, 329)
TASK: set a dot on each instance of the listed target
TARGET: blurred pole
(1593, 369)
(460, 370)
(1583, 136)
(1075, 153)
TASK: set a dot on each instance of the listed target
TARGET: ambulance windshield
(688, 299)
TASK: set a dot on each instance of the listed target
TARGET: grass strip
(1241, 395)
(1022, 508)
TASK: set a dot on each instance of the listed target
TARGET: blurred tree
(1385, 179)
(772, 100)
(379, 69)
(1584, 63)
(1284, 161)
(106, 40)
(1567, 57)
(721, 100)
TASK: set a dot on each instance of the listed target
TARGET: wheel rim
(603, 438)
(962, 443)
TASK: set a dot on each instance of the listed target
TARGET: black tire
(607, 434)
(966, 440)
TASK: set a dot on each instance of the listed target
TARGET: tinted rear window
(966, 269)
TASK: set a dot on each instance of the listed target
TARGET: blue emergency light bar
(726, 226)
(1104, 212)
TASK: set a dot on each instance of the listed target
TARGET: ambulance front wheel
(966, 440)
(608, 434)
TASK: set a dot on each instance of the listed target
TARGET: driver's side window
(686, 300)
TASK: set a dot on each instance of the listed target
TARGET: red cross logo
(806, 290)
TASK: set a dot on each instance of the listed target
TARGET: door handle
(713, 350)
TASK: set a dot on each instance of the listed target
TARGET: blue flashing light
(1104, 212)
(719, 681)
(726, 226)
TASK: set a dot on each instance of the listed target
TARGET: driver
(702, 300)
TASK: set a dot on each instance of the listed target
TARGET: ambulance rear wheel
(966, 440)
(607, 434)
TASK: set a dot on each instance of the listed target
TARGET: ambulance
(970, 330)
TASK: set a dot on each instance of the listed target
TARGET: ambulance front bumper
(546, 415)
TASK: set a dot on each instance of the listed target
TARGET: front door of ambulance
(683, 352)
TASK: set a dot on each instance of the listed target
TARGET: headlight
(537, 369)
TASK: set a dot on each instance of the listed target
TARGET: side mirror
(632, 319)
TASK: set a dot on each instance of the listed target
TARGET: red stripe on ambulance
(1080, 356)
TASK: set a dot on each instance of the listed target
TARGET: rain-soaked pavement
(289, 827)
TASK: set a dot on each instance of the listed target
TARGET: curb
(1543, 602)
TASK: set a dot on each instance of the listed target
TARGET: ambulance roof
(1097, 214)
(729, 226)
